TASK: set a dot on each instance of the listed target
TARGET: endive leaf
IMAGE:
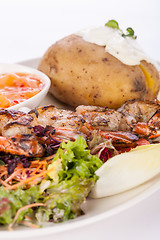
(127, 170)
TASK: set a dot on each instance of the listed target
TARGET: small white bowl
(35, 100)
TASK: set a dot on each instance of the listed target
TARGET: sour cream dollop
(126, 49)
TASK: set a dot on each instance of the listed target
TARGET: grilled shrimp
(138, 111)
(145, 118)
(49, 135)
(14, 122)
(49, 115)
(107, 123)
(36, 144)
(63, 124)
(125, 125)
(150, 129)
(122, 119)
(103, 118)
(25, 144)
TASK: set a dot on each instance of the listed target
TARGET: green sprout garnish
(130, 33)
(114, 24)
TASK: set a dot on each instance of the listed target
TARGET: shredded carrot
(13, 175)
(2, 168)
(28, 218)
(20, 210)
(4, 183)
(44, 167)
(4, 173)
(22, 176)
(23, 173)
(36, 170)
(29, 180)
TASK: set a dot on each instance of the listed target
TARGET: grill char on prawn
(125, 125)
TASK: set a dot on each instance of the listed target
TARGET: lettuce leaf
(77, 160)
(12, 200)
(76, 179)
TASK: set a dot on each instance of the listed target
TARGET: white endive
(127, 170)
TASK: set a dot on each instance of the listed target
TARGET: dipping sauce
(18, 87)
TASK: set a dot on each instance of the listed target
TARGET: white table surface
(28, 28)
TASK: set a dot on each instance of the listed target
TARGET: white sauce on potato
(126, 49)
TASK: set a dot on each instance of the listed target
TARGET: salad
(64, 181)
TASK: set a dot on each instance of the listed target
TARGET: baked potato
(83, 73)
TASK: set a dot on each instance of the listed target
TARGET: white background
(28, 28)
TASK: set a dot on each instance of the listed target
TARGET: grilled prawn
(149, 129)
(63, 124)
(123, 119)
(15, 122)
(50, 125)
(19, 144)
(139, 111)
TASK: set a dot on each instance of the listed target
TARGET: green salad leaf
(76, 179)
(12, 200)
(65, 199)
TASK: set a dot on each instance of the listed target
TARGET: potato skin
(83, 73)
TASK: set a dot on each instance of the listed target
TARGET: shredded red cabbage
(13, 160)
(106, 154)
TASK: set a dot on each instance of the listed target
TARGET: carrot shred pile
(25, 176)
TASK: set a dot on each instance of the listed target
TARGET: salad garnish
(51, 189)
(114, 24)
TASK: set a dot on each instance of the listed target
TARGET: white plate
(95, 209)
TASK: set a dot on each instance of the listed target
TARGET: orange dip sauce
(18, 87)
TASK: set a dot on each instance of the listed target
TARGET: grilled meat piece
(25, 144)
(135, 118)
(103, 118)
(14, 122)
(138, 111)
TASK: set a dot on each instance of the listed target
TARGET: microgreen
(114, 24)
(130, 33)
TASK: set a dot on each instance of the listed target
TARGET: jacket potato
(84, 73)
